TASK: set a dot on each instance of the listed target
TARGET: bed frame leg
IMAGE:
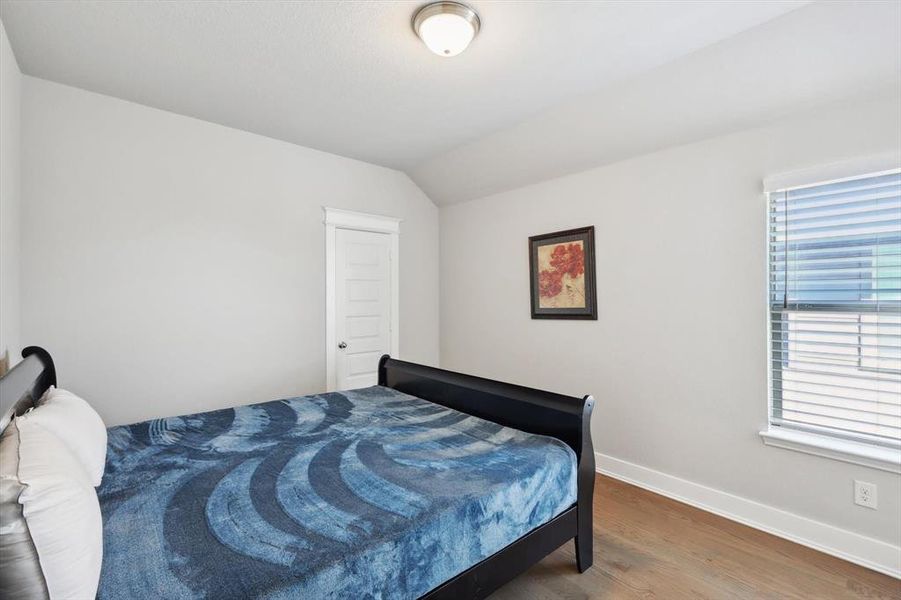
(584, 536)
(584, 552)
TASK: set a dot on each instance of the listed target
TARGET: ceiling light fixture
(446, 28)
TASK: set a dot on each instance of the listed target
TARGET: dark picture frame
(568, 279)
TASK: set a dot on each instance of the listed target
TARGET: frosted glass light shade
(446, 28)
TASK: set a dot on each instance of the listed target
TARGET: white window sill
(884, 459)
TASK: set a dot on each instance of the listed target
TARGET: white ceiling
(826, 53)
(351, 77)
(545, 89)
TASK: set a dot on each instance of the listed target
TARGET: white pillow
(60, 507)
(77, 425)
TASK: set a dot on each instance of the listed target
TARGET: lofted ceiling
(545, 89)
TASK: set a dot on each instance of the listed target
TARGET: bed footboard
(566, 418)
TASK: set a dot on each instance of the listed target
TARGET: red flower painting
(565, 265)
(561, 275)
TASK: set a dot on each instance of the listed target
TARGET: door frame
(337, 218)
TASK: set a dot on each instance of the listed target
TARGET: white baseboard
(853, 547)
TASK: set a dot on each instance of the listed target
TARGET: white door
(363, 306)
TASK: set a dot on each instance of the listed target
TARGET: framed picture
(561, 273)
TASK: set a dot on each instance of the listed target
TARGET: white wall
(10, 102)
(171, 265)
(677, 358)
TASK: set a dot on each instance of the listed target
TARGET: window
(835, 309)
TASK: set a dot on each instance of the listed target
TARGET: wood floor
(650, 547)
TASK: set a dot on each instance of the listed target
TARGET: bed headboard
(566, 418)
(24, 384)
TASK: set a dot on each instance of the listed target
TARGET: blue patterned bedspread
(368, 493)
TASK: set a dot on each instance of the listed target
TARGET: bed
(432, 484)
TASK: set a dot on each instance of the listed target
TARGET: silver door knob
(342, 345)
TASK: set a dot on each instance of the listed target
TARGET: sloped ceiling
(819, 55)
(546, 89)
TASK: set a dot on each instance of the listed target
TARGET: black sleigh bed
(433, 484)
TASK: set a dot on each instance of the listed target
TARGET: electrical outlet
(865, 494)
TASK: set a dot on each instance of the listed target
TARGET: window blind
(835, 308)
